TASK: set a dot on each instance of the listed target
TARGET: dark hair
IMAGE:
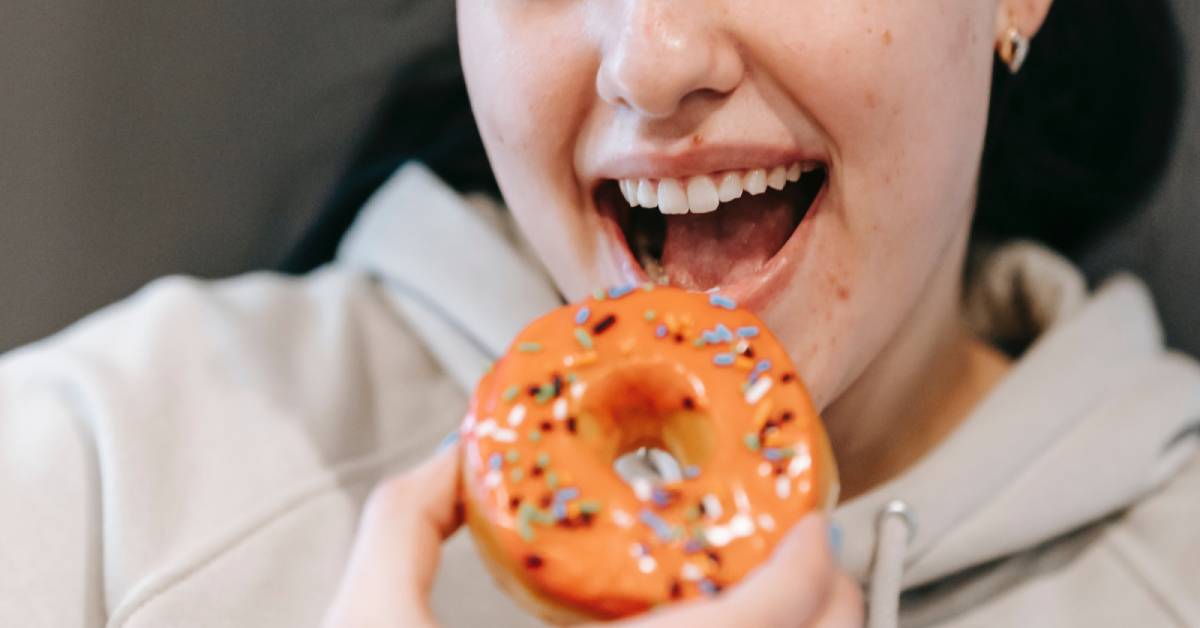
(1074, 142)
(1078, 139)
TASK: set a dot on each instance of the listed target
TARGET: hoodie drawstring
(896, 527)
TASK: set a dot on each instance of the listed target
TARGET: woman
(1051, 485)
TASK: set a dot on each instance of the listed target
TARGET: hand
(391, 569)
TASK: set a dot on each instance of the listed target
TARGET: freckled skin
(805, 71)
(557, 87)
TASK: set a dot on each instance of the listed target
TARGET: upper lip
(709, 159)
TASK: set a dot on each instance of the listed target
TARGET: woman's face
(882, 103)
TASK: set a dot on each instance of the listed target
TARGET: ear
(1026, 16)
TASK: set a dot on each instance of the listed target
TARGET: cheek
(529, 75)
(900, 91)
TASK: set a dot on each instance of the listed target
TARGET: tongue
(706, 250)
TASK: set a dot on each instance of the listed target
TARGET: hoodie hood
(1095, 415)
(1092, 417)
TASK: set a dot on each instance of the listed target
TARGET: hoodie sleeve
(50, 552)
(173, 435)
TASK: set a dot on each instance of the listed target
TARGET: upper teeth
(704, 193)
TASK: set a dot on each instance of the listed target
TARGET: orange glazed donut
(656, 368)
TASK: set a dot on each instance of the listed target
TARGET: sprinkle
(661, 332)
(641, 488)
(516, 474)
(512, 456)
(543, 460)
(516, 415)
(712, 506)
(620, 291)
(799, 464)
(763, 365)
(621, 518)
(752, 442)
(778, 453)
(566, 494)
(582, 315)
(741, 525)
(764, 469)
(692, 546)
(660, 527)
(545, 393)
(505, 435)
(741, 500)
(560, 511)
(691, 471)
(691, 572)
(649, 315)
(535, 436)
(699, 342)
(748, 332)
(529, 347)
(590, 507)
(605, 324)
(718, 536)
(560, 409)
(756, 391)
(783, 487)
(723, 359)
(486, 428)
(660, 496)
(717, 300)
(709, 588)
(584, 340)
(511, 393)
(525, 514)
(766, 522)
(761, 413)
(552, 480)
(598, 294)
(647, 564)
(723, 333)
(495, 461)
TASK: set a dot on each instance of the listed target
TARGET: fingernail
(835, 540)
(449, 441)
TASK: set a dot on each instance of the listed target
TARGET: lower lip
(756, 292)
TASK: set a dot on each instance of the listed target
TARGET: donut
(652, 372)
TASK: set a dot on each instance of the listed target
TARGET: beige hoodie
(197, 455)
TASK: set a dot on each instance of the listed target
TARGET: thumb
(791, 588)
(392, 565)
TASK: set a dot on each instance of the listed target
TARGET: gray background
(139, 139)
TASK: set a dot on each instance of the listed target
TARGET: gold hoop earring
(1014, 49)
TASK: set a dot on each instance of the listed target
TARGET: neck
(920, 388)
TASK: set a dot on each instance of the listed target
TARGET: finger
(397, 546)
(790, 589)
(845, 607)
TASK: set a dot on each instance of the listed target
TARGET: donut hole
(649, 421)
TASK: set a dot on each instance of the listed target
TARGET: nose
(665, 51)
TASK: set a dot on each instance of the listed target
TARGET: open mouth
(711, 231)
